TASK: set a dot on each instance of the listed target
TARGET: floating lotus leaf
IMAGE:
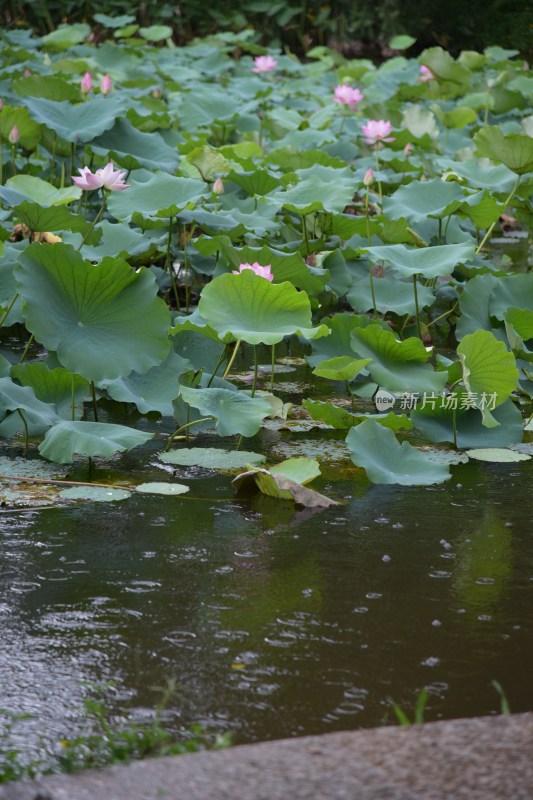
(65, 439)
(249, 307)
(513, 149)
(235, 412)
(281, 482)
(427, 261)
(211, 458)
(78, 123)
(162, 488)
(497, 455)
(387, 461)
(97, 494)
(84, 312)
(397, 366)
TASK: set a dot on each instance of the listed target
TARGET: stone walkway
(485, 758)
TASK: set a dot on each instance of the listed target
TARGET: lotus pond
(265, 381)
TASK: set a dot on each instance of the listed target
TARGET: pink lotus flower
(106, 178)
(377, 130)
(87, 83)
(264, 64)
(26, 73)
(218, 186)
(425, 74)
(263, 272)
(106, 84)
(14, 135)
(347, 95)
(369, 177)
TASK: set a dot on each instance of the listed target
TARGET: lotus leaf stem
(232, 359)
(183, 428)
(479, 248)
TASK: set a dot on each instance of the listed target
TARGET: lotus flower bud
(14, 135)
(87, 83)
(369, 177)
(1, 104)
(105, 84)
(218, 186)
(27, 73)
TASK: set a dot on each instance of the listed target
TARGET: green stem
(506, 203)
(72, 398)
(256, 369)
(12, 303)
(273, 362)
(232, 359)
(95, 409)
(454, 424)
(1, 161)
(445, 314)
(415, 289)
(25, 353)
(219, 362)
(26, 435)
(170, 269)
(183, 428)
(306, 238)
(13, 159)
(372, 291)
(94, 222)
(377, 170)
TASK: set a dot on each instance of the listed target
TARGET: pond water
(274, 622)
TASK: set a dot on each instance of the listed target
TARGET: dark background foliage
(357, 27)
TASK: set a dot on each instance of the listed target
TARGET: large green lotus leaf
(249, 307)
(208, 163)
(497, 455)
(156, 33)
(314, 194)
(66, 36)
(118, 239)
(377, 450)
(114, 22)
(103, 321)
(516, 291)
(339, 342)
(154, 390)
(421, 199)
(159, 196)
(78, 123)
(42, 192)
(66, 439)
(456, 118)
(443, 66)
(50, 87)
(341, 418)
(131, 149)
(481, 208)
(30, 131)
(8, 287)
(397, 366)
(489, 371)
(260, 181)
(236, 412)
(38, 415)
(522, 321)
(285, 266)
(474, 306)
(480, 176)
(427, 261)
(54, 218)
(436, 421)
(194, 323)
(212, 458)
(513, 149)
(55, 386)
(392, 294)
(340, 368)
(162, 488)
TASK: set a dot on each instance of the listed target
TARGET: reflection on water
(274, 623)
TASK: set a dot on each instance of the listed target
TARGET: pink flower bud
(14, 135)
(87, 83)
(106, 84)
(369, 177)
(218, 186)
(1, 104)
(27, 73)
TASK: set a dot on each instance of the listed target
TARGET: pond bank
(463, 759)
